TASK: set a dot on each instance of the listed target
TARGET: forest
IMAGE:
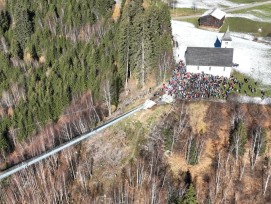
(65, 64)
(169, 154)
(53, 52)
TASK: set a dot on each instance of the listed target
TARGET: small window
(224, 69)
(209, 68)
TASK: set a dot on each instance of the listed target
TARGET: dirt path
(226, 10)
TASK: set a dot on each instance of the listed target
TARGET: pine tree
(5, 21)
(238, 139)
(16, 49)
(124, 46)
(33, 52)
(152, 15)
(190, 196)
(23, 26)
(4, 127)
(193, 153)
(129, 47)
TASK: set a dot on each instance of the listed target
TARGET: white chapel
(210, 60)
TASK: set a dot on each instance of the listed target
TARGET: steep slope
(153, 157)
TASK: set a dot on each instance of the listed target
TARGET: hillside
(68, 66)
(53, 54)
(156, 156)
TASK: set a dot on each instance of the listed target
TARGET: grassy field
(237, 24)
(244, 25)
(185, 12)
(263, 12)
(194, 21)
(241, 25)
(251, 82)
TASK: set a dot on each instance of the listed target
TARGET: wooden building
(212, 18)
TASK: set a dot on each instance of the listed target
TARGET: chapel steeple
(226, 39)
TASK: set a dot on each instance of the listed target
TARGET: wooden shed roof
(216, 13)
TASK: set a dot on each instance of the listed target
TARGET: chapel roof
(205, 56)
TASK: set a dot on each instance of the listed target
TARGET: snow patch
(248, 16)
(255, 100)
(205, 4)
(243, 35)
(260, 11)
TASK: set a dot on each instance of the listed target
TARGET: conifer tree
(238, 139)
(124, 42)
(23, 26)
(16, 49)
(193, 153)
(66, 68)
(190, 196)
(5, 21)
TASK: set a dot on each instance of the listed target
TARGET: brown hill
(153, 157)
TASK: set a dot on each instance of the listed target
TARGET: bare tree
(257, 144)
(172, 3)
(107, 93)
(183, 121)
(217, 173)
(164, 65)
(268, 175)
(242, 168)
(7, 99)
(238, 139)
(194, 6)
(4, 44)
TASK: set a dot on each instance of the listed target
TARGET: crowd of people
(185, 85)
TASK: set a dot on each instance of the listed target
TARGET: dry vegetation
(116, 13)
(2, 3)
(78, 118)
(197, 111)
(145, 159)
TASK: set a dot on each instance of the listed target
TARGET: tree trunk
(142, 64)
(127, 68)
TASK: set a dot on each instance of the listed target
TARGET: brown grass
(177, 164)
(206, 159)
(27, 57)
(197, 112)
(146, 4)
(42, 59)
(215, 120)
(10, 112)
(115, 140)
(2, 4)
(116, 13)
